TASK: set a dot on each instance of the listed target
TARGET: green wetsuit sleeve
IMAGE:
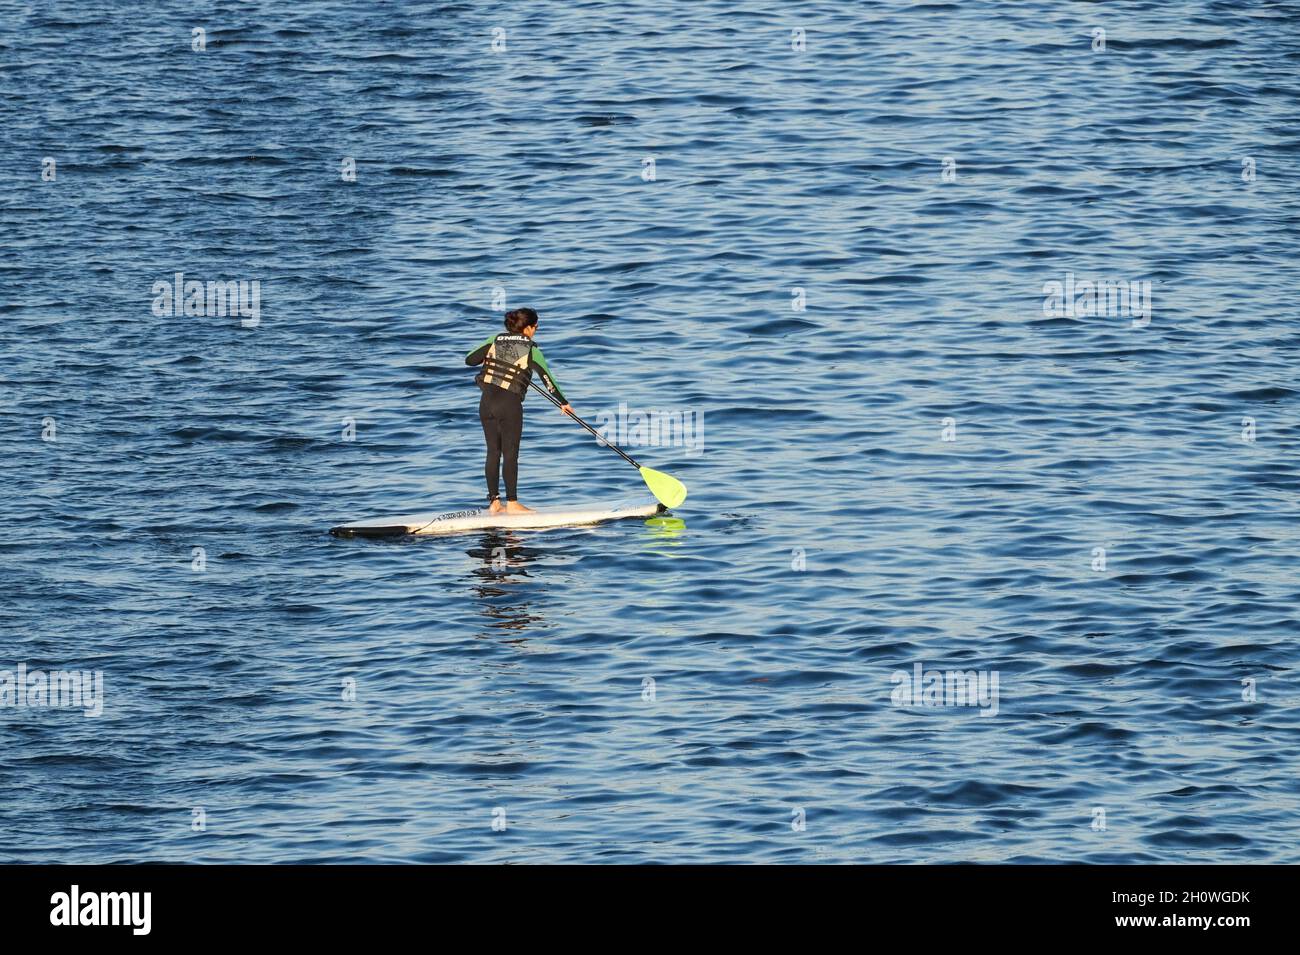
(538, 361)
(478, 354)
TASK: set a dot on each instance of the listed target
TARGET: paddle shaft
(621, 453)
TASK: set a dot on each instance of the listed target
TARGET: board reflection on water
(508, 570)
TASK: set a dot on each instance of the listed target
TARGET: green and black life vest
(509, 362)
(506, 364)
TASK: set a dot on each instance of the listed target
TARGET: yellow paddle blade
(669, 491)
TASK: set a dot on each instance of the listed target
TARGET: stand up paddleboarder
(508, 362)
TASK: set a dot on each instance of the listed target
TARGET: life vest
(506, 364)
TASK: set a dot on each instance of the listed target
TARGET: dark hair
(519, 319)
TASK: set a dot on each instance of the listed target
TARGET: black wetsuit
(509, 361)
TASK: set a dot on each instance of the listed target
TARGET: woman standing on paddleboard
(508, 363)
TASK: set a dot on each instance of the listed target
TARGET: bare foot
(514, 507)
(495, 507)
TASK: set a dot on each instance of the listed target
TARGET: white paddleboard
(459, 521)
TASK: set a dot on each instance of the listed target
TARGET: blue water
(832, 536)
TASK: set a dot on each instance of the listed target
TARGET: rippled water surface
(1104, 532)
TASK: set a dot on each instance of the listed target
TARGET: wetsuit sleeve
(478, 354)
(537, 361)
